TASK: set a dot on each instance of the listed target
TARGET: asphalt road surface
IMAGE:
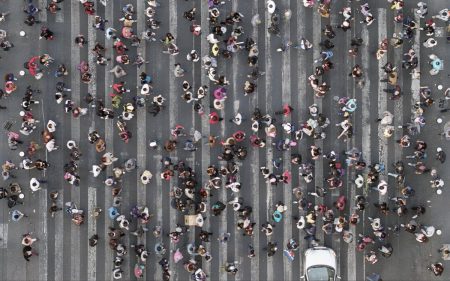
(64, 253)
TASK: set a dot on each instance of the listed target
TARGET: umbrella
(277, 216)
(177, 256)
(437, 64)
(32, 66)
(139, 270)
(288, 175)
(220, 93)
(289, 255)
(127, 32)
(113, 212)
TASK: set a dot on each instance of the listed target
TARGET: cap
(22, 113)
(438, 149)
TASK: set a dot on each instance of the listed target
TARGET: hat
(438, 149)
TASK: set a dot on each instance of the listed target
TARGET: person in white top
(146, 176)
(51, 145)
(96, 170)
(382, 187)
(35, 184)
(71, 144)
(51, 126)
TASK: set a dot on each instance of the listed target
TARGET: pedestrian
(93, 240)
(28, 252)
(436, 268)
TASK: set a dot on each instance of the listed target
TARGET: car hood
(320, 256)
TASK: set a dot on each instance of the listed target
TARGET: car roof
(320, 256)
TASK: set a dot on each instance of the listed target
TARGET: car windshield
(320, 273)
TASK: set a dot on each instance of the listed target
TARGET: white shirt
(51, 145)
(51, 126)
(34, 184)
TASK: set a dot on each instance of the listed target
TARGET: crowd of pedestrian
(259, 131)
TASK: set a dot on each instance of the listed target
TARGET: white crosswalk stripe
(173, 118)
(269, 147)
(415, 83)
(75, 135)
(287, 188)
(302, 92)
(42, 234)
(59, 242)
(233, 101)
(109, 140)
(3, 235)
(92, 191)
(318, 164)
(92, 229)
(42, 5)
(205, 129)
(382, 97)
(366, 137)
(255, 180)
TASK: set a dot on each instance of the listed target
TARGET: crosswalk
(64, 253)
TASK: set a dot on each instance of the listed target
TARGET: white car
(320, 264)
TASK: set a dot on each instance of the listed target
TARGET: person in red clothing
(239, 136)
(119, 88)
(214, 118)
(287, 109)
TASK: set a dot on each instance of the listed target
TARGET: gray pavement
(64, 253)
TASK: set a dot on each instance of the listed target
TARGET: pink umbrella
(177, 256)
(127, 32)
(220, 93)
(288, 175)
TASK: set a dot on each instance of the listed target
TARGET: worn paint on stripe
(42, 5)
(59, 17)
(366, 141)
(173, 118)
(269, 147)
(42, 234)
(205, 129)
(92, 229)
(318, 164)
(287, 188)
(158, 271)
(398, 105)
(350, 86)
(238, 247)
(109, 139)
(141, 120)
(415, 83)
(75, 134)
(4, 235)
(301, 86)
(59, 241)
